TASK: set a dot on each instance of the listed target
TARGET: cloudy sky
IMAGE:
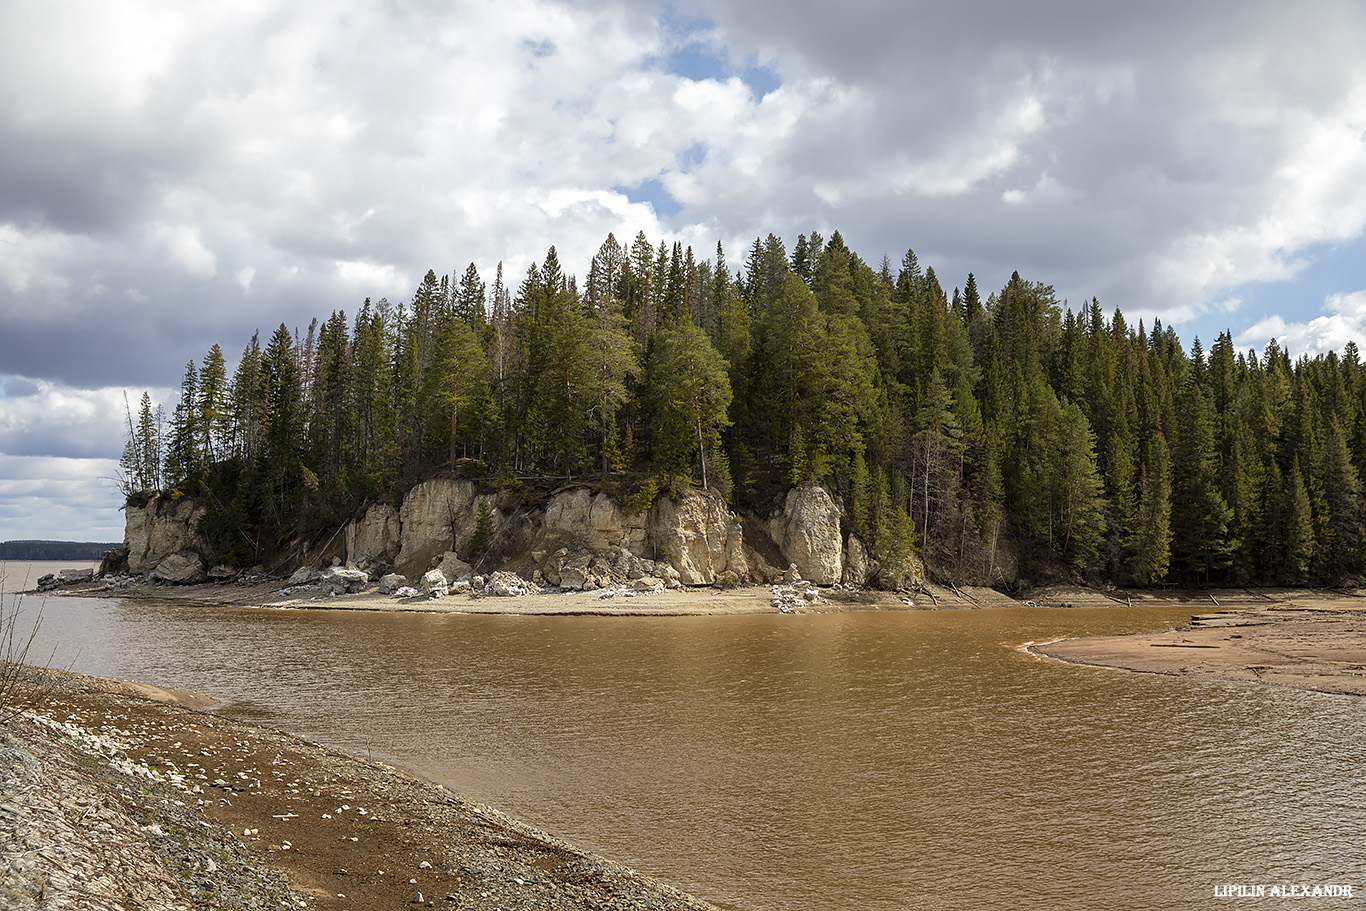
(175, 174)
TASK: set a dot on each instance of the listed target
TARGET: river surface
(879, 760)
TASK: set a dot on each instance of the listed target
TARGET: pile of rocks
(435, 584)
(66, 577)
(509, 585)
(586, 569)
(795, 597)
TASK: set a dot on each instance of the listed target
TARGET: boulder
(807, 532)
(302, 576)
(338, 581)
(452, 567)
(182, 568)
(509, 585)
(114, 562)
(572, 570)
(434, 584)
(392, 583)
(157, 526)
(70, 576)
(222, 572)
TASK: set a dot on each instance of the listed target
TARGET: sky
(175, 174)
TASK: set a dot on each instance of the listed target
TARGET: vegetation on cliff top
(1003, 437)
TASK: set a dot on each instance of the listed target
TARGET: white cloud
(53, 420)
(171, 178)
(1344, 320)
(59, 499)
(1315, 194)
(33, 260)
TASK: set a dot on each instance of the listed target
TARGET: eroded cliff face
(586, 540)
(699, 537)
(374, 538)
(436, 516)
(161, 537)
(580, 538)
(807, 532)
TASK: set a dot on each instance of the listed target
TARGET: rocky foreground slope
(114, 801)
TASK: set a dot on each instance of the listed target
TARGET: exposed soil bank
(117, 800)
(1303, 639)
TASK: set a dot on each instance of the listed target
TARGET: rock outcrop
(157, 527)
(437, 516)
(581, 539)
(858, 566)
(807, 532)
(593, 520)
(374, 538)
(698, 536)
(587, 541)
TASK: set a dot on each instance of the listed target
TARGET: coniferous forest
(1003, 438)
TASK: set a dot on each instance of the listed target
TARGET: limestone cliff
(436, 516)
(807, 532)
(161, 537)
(576, 537)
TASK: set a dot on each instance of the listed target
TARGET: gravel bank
(112, 800)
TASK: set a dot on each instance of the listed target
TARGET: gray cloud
(171, 178)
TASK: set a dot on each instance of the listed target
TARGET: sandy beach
(622, 601)
(1310, 640)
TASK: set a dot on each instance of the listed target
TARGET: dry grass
(22, 685)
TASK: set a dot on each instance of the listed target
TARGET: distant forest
(53, 550)
(1002, 439)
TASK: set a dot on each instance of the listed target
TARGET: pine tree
(184, 460)
(463, 385)
(1200, 516)
(1150, 542)
(611, 362)
(690, 395)
(140, 466)
(213, 405)
(1341, 550)
(1077, 490)
(1299, 529)
(470, 304)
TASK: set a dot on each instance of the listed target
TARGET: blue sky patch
(1333, 269)
(652, 191)
(693, 54)
(544, 48)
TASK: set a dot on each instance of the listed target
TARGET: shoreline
(1307, 640)
(199, 810)
(698, 601)
(133, 791)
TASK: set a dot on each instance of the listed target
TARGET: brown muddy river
(841, 761)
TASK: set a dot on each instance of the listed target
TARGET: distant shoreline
(53, 551)
(1303, 639)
